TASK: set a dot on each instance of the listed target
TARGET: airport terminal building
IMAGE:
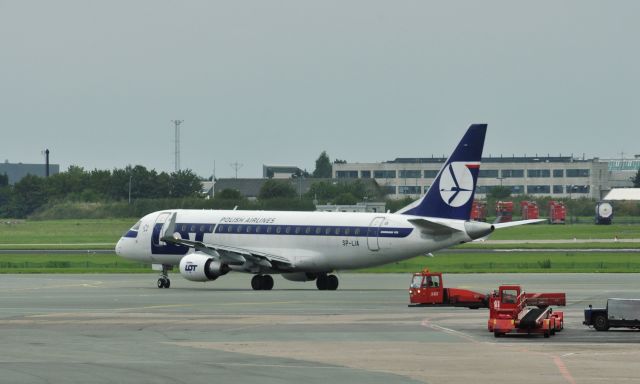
(562, 176)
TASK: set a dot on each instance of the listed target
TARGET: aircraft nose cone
(119, 248)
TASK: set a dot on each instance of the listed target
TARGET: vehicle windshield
(417, 280)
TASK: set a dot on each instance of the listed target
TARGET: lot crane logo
(456, 183)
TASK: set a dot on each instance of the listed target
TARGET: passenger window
(192, 229)
(297, 230)
(337, 231)
(347, 231)
(230, 228)
(318, 230)
(184, 228)
(202, 228)
(327, 231)
(220, 228)
(249, 228)
(259, 229)
(288, 230)
(357, 232)
(278, 229)
(269, 229)
(239, 228)
(211, 228)
(307, 230)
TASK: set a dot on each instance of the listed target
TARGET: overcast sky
(276, 82)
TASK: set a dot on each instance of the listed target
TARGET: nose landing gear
(163, 280)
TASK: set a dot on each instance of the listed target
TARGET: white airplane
(306, 246)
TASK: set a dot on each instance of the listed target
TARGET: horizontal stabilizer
(433, 228)
(516, 223)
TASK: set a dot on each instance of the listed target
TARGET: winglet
(452, 191)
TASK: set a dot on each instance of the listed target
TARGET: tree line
(79, 185)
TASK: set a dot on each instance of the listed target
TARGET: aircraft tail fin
(451, 194)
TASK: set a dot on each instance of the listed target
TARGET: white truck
(619, 313)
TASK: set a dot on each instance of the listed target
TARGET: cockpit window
(133, 232)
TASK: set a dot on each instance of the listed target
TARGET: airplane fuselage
(310, 241)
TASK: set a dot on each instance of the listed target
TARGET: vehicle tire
(256, 282)
(546, 335)
(600, 323)
(332, 283)
(497, 334)
(267, 282)
(160, 283)
(167, 283)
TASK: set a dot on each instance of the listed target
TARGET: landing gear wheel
(267, 282)
(163, 280)
(327, 282)
(255, 282)
(321, 283)
(332, 282)
(262, 282)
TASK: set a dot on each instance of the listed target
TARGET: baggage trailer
(514, 311)
(427, 290)
(619, 313)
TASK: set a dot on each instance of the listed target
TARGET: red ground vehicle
(504, 211)
(530, 210)
(479, 211)
(513, 311)
(427, 290)
(557, 212)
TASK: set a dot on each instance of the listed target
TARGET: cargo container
(557, 212)
(530, 210)
(604, 212)
(619, 313)
(504, 211)
(479, 211)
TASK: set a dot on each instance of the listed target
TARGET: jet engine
(200, 267)
(477, 229)
(300, 276)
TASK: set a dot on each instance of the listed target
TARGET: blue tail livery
(451, 194)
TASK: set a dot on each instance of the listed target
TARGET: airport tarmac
(121, 328)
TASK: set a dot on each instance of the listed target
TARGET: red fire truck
(513, 311)
(427, 290)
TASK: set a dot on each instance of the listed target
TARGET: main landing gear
(262, 282)
(327, 282)
(163, 280)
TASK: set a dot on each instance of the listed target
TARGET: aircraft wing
(433, 228)
(227, 254)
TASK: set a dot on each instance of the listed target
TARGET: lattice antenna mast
(235, 167)
(176, 152)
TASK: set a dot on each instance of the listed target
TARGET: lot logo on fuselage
(190, 267)
(456, 183)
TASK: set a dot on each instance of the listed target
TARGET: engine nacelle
(200, 267)
(477, 229)
(300, 276)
